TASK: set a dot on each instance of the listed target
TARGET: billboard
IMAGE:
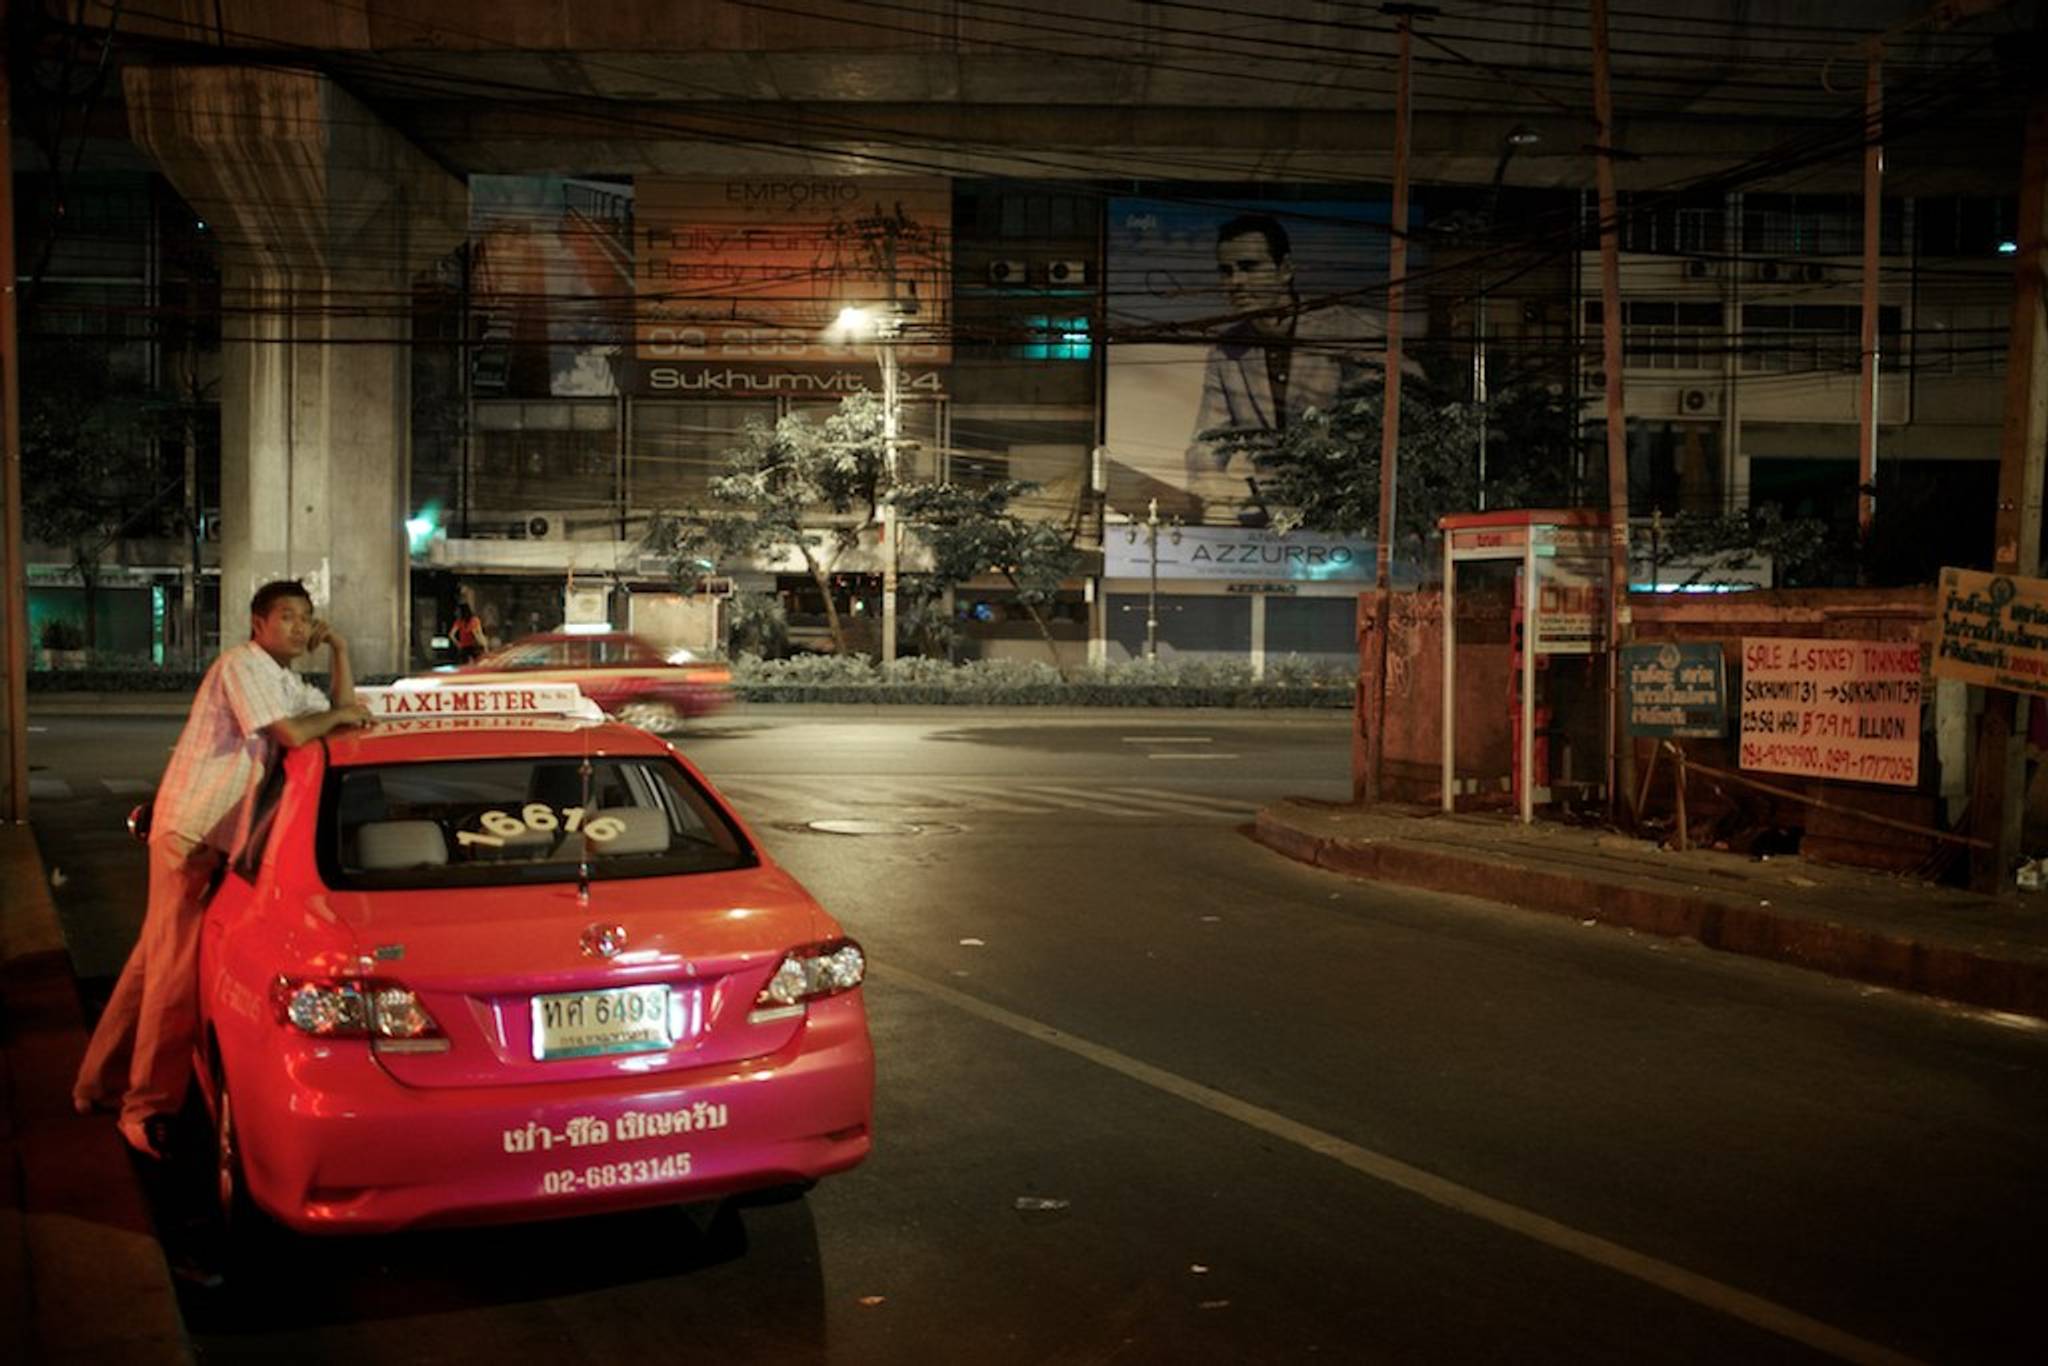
(1235, 554)
(551, 279)
(1242, 314)
(1993, 630)
(753, 272)
(1820, 708)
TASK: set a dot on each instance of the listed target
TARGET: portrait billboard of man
(1292, 319)
(551, 271)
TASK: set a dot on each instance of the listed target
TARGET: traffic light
(422, 527)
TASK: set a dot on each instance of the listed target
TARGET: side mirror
(138, 820)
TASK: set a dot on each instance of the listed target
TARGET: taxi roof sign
(411, 698)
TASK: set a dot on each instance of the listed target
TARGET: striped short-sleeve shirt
(223, 751)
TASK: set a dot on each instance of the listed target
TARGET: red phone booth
(1559, 612)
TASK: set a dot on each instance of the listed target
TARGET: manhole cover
(862, 827)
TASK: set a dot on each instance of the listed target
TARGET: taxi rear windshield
(497, 822)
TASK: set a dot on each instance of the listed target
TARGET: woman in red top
(467, 635)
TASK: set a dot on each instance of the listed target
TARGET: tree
(780, 484)
(90, 472)
(757, 623)
(972, 531)
(1798, 547)
(1324, 470)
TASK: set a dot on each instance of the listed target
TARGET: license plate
(582, 1024)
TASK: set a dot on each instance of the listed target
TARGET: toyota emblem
(603, 941)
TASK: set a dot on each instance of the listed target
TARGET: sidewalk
(82, 1277)
(1848, 922)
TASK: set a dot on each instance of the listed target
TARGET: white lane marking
(810, 797)
(1014, 801)
(128, 787)
(1135, 799)
(1222, 806)
(766, 799)
(1170, 755)
(1688, 1285)
(1169, 739)
(48, 789)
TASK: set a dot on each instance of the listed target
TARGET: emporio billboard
(717, 288)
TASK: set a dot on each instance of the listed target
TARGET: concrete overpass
(329, 143)
(1268, 90)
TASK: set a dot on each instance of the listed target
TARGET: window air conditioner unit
(1006, 272)
(1699, 402)
(1701, 268)
(1067, 273)
(540, 526)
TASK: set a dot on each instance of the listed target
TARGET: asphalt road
(1150, 1093)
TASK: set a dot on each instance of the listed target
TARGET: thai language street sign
(1675, 690)
(1993, 630)
(1832, 708)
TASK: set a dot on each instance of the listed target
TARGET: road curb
(82, 1276)
(1720, 921)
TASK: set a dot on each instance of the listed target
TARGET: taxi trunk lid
(539, 984)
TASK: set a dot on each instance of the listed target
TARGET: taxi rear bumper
(331, 1143)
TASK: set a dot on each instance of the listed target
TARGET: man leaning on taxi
(250, 707)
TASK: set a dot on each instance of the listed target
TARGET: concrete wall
(1900, 614)
(1484, 734)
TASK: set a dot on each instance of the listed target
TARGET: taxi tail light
(353, 1008)
(812, 972)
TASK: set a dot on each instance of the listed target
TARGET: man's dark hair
(1265, 225)
(267, 596)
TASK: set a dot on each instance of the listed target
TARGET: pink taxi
(493, 957)
(623, 674)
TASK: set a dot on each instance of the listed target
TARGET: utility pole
(192, 579)
(885, 349)
(16, 590)
(882, 236)
(1873, 223)
(1621, 759)
(1390, 414)
(1997, 795)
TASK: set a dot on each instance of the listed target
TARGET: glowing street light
(882, 328)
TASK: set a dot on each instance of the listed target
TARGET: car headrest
(383, 846)
(644, 830)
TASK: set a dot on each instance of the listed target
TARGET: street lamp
(1152, 591)
(882, 327)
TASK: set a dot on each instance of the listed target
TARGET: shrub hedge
(1027, 683)
(1289, 682)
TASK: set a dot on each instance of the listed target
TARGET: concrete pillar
(325, 217)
